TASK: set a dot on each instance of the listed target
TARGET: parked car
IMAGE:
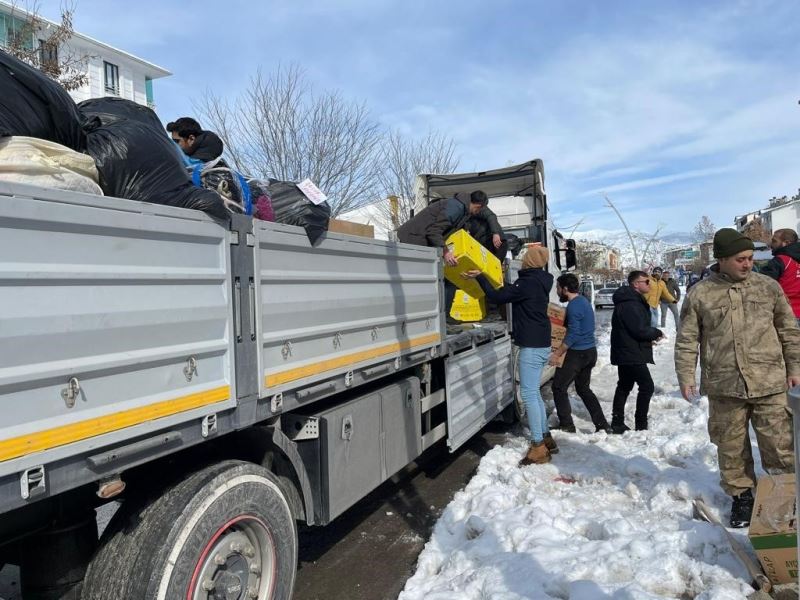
(602, 297)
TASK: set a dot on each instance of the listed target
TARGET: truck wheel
(224, 532)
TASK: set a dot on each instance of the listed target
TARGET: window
(148, 89)
(14, 30)
(111, 78)
(48, 53)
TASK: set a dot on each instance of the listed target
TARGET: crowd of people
(741, 327)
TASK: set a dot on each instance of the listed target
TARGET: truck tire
(226, 528)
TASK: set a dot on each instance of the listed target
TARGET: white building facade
(111, 71)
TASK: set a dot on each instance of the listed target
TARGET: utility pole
(650, 241)
(628, 231)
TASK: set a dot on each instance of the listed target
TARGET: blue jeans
(531, 364)
(653, 317)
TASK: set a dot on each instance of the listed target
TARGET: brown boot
(550, 443)
(537, 455)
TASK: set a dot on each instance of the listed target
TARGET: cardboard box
(773, 527)
(350, 228)
(472, 255)
(557, 335)
(556, 313)
(467, 308)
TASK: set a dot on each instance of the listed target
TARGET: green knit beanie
(728, 242)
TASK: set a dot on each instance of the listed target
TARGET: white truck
(220, 383)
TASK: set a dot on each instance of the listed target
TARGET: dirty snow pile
(609, 517)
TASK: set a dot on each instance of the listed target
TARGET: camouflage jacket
(746, 334)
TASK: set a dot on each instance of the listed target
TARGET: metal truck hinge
(286, 351)
(33, 482)
(190, 370)
(70, 393)
(208, 426)
(277, 403)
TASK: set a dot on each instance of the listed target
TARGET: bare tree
(402, 159)
(280, 128)
(704, 230)
(45, 45)
(587, 257)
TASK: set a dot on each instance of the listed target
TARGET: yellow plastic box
(472, 255)
(467, 308)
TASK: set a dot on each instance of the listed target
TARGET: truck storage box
(359, 444)
(467, 308)
(773, 527)
(472, 255)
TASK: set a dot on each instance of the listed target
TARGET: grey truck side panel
(132, 300)
(345, 304)
(479, 386)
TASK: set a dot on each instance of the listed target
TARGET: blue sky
(675, 109)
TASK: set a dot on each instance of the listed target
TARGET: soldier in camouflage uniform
(749, 346)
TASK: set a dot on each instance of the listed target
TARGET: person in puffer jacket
(742, 329)
(784, 267)
(198, 145)
(529, 295)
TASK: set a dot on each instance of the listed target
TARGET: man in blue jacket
(581, 357)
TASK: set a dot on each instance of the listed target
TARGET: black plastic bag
(293, 208)
(33, 105)
(137, 160)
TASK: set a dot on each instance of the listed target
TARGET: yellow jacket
(658, 293)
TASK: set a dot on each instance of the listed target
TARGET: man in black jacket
(203, 146)
(632, 339)
(485, 228)
(432, 226)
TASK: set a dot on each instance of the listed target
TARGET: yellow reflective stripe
(347, 360)
(66, 434)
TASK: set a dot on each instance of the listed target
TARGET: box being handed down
(773, 527)
(557, 315)
(471, 255)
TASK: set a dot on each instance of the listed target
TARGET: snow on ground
(609, 517)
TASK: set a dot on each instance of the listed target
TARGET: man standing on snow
(745, 333)
(784, 267)
(581, 357)
(674, 289)
(632, 337)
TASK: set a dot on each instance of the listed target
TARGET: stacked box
(773, 527)
(557, 315)
(471, 255)
(467, 308)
